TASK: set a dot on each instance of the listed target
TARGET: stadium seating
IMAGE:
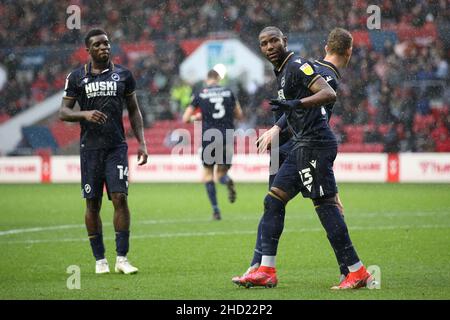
(158, 136)
(354, 133)
(423, 121)
(39, 137)
(361, 147)
(335, 121)
(383, 129)
(65, 133)
(4, 117)
(404, 38)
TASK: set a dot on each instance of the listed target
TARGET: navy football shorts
(309, 171)
(282, 153)
(104, 166)
(213, 154)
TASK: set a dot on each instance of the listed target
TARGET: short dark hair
(339, 41)
(272, 28)
(213, 74)
(92, 33)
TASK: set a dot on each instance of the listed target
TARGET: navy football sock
(224, 179)
(211, 190)
(122, 243)
(257, 254)
(272, 225)
(98, 249)
(342, 267)
(337, 234)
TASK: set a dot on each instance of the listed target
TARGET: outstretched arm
(137, 124)
(323, 94)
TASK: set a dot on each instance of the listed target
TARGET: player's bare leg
(121, 212)
(223, 178)
(92, 216)
(208, 179)
(122, 228)
(93, 223)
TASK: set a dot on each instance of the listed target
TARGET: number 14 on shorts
(122, 172)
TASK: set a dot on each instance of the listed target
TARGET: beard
(102, 58)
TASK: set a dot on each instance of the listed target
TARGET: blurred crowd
(399, 86)
(42, 22)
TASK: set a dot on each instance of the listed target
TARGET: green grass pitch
(183, 254)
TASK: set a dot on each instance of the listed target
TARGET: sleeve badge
(307, 69)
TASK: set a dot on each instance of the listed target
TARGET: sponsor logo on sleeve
(307, 69)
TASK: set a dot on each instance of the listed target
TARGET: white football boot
(101, 266)
(123, 266)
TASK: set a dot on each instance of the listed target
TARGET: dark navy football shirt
(309, 126)
(217, 104)
(331, 74)
(105, 92)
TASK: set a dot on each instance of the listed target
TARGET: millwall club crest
(283, 81)
(115, 77)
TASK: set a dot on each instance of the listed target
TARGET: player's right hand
(95, 116)
(142, 154)
(265, 140)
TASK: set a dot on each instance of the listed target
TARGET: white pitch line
(39, 229)
(176, 221)
(229, 233)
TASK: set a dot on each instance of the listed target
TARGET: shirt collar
(88, 68)
(290, 53)
(331, 66)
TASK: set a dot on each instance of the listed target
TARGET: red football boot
(252, 269)
(263, 277)
(355, 280)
